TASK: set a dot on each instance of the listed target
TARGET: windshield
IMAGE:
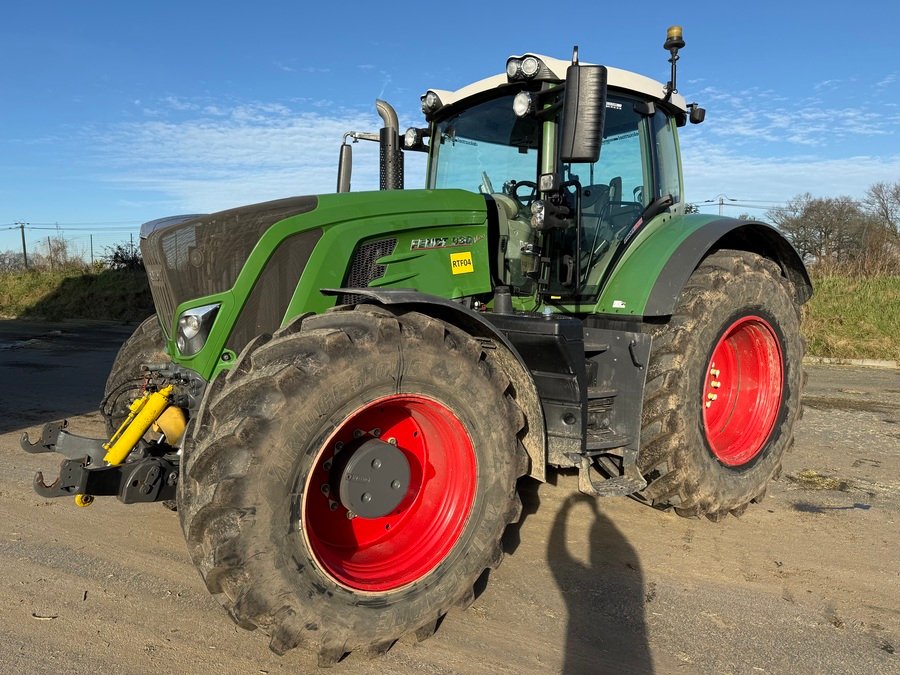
(486, 147)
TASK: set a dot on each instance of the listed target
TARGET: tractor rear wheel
(349, 480)
(125, 381)
(723, 388)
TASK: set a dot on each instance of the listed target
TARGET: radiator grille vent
(365, 269)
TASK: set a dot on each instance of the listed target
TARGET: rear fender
(648, 279)
(525, 391)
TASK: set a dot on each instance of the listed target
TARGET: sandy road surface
(807, 582)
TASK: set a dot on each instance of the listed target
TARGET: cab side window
(666, 146)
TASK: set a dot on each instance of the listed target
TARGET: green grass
(112, 295)
(854, 318)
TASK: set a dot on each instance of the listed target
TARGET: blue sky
(117, 113)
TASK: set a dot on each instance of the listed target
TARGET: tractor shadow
(602, 586)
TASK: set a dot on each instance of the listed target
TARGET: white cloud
(222, 156)
(750, 116)
(712, 168)
(206, 155)
(758, 144)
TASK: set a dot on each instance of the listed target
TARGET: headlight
(530, 66)
(193, 328)
(430, 102)
(523, 104)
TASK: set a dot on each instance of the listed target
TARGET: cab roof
(616, 79)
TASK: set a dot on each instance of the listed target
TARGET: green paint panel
(629, 284)
(632, 280)
(450, 224)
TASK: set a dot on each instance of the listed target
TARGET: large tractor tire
(350, 479)
(125, 381)
(723, 388)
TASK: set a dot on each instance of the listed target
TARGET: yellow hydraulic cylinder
(144, 412)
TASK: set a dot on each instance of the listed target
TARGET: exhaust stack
(390, 155)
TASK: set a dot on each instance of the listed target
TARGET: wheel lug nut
(376, 432)
(712, 397)
(332, 505)
(366, 497)
(714, 372)
(326, 488)
(709, 404)
(338, 446)
(350, 515)
(395, 484)
(358, 433)
(376, 463)
(392, 441)
(715, 385)
(326, 465)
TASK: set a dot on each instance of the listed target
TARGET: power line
(85, 229)
(94, 223)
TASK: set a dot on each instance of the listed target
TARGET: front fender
(526, 393)
(648, 279)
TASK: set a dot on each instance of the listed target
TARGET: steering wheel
(525, 200)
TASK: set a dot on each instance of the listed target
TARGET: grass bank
(854, 318)
(111, 295)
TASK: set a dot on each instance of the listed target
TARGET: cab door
(638, 163)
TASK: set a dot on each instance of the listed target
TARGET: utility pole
(721, 206)
(21, 227)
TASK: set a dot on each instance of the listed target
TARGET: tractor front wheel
(723, 388)
(350, 479)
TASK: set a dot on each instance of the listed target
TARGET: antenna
(575, 55)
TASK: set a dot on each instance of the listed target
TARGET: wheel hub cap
(742, 391)
(373, 479)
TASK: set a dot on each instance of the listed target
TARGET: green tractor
(341, 392)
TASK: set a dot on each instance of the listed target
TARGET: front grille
(364, 268)
(204, 255)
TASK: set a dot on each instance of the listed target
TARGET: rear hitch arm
(55, 438)
(93, 467)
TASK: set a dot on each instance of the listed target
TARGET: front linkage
(127, 465)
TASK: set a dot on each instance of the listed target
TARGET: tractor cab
(563, 219)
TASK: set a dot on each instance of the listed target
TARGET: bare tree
(883, 202)
(59, 254)
(10, 261)
(842, 235)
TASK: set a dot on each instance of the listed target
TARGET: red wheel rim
(742, 391)
(387, 553)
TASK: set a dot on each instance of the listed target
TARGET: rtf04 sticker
(461, 263)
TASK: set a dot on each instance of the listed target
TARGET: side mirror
(345, 168)
(697, 114)
(584, 112)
